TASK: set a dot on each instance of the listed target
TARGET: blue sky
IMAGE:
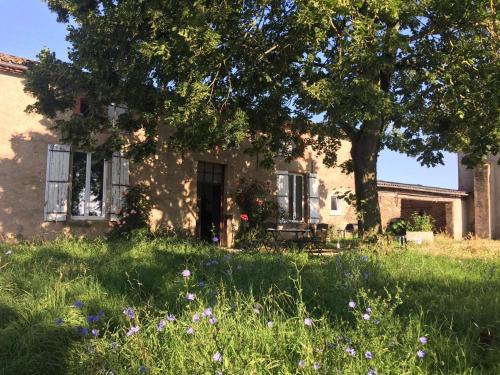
(27, 26)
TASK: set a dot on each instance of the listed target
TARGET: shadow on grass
(152, 276)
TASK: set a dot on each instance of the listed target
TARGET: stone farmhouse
(48, 188)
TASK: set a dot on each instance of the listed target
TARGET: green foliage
(420, 222)
(254, 198)
(135, 213)
(255, 201)
(397, 227)
(418, 77)
(450, 302)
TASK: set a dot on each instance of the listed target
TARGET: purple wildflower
(423, 340)
(82, 330)
(316, 366)
(352, 304)
(420, 354)
(371, 372)
(212, 320)
(59, 321)
(201, 284)
(217, 357)
(190, 331)
(171, 318)
(207, 312)
(196, 318)
(78, 304)
(219, 372)
(302, 363)
(368, 355)
(351, 351)
(186, 273)
(366, 316)
(161, 325)
(92, 319)
(133, 330)
(94, 332)
(215, 239)
(129, 312)
(369, 310)
(190, 296)
(308, 322)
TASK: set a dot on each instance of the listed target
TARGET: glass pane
(335, 204)
(78, 184)
(298, 197)
(291, 184)
(96, 187)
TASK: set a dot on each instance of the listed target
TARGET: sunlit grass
(260, 302)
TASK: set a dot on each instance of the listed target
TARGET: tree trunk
(364, 153)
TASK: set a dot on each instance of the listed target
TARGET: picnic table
(282, 236)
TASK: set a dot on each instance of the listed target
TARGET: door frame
(222, 234)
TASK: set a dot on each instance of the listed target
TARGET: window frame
(293, 219)
(88, 171)
(338, 211)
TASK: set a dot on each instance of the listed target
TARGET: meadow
(172, 306)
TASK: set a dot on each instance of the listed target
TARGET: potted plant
(420, 228)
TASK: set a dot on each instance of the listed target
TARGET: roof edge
(14, 64)
(421, 188)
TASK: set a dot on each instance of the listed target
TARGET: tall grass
(261, 303)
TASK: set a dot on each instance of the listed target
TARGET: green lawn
(262, 304)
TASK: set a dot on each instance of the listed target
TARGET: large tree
(417, 76)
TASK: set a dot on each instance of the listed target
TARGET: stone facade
(483, 205)
(446, 206)
(171, 178)
(172, 181)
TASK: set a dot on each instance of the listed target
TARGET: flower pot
(419, 237)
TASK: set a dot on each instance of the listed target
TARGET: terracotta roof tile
(13, 64)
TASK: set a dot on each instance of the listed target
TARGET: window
(88, 186)
(335, 205)
(295, 197)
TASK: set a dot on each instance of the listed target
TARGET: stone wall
(171, 177)
(435, 209)
(482, 202)
(447, 210)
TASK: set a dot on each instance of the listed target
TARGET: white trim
(338, 211)
(88, 172)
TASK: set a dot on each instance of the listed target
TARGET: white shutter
(313, 198)
(283, 194)
(119, 183)
(57, 183)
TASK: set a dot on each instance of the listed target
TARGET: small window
(335, 205)
(88, 186)
(296, 197)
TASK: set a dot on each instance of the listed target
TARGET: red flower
(244, 217)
